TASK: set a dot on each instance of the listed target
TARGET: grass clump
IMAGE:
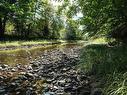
(116, 85)
(103, 61)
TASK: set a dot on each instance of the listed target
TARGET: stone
(62, 81)
(1, 77)
(29, 75)
(49, 80)
(68, 80)
(2, 91)
(29, 67)
(55, 87)
(1, 68)
(13, 70)
(4, 66)
(49, 93)
(22, 73)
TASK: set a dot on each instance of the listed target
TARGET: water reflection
(25, 56)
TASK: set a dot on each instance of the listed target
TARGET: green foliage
(30, 18)
(9, 28)
(72, 30)
(39, 17)
(101, 16)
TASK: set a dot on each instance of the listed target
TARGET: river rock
(1, 68)
(2, 89)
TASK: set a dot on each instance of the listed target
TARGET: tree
(72, 30)
(50, 22)
(103, 16)
(100, 17)
(5, 12)
(23, 16)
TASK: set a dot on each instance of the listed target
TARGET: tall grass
(116, 84)
(108, 63)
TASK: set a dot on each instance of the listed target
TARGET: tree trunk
(4, 24)
(2, 27)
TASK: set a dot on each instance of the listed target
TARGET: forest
(24, 19)
(63, 47)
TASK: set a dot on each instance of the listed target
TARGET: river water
(25, 56)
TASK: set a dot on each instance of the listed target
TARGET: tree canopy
(41, 17)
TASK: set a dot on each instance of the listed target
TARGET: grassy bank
(33, 42)
(108, 64)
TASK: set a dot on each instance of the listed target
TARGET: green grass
(107, 63)
(21, 43)
(101, 40)
(116, 84)
(35, 42)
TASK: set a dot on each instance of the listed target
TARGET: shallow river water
(25, 56)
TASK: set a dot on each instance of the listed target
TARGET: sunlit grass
(20, 43)
(35, 42)
(101, 40)
(116, 85)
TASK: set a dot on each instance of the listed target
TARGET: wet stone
(49, 93)
(4, 66)
(1, 68)
(2, 90)
(13, 70)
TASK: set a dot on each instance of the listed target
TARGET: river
(49, 70)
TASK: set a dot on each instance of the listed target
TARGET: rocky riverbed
(52, 73)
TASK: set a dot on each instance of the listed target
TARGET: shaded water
(25, 56)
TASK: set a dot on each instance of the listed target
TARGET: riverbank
(108, 65)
